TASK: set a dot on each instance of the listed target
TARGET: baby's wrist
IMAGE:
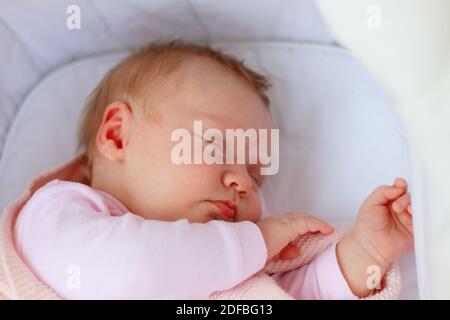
(370, 249)
(355, 263)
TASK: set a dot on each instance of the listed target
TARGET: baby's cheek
(258, 214)
(252, 213)
(262, 203)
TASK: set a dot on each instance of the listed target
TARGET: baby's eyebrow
(210, 121)
(217, 121)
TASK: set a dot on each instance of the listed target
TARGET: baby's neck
(108, 180)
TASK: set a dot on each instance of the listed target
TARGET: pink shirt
(85, 244)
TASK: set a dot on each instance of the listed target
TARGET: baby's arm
(319, 280)
(382, 233)
(65, 230)
(357, 266)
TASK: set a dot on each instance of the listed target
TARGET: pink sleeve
(67, 234)
(321, 279)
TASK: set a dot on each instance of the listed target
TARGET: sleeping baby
(149, 227)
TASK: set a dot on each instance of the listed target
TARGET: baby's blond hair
(131, 82)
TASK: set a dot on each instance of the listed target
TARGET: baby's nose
(238, 180)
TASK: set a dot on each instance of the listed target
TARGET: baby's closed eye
(255, 173)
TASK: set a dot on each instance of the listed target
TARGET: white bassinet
(339, 135)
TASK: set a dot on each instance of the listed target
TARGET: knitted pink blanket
(17, 281)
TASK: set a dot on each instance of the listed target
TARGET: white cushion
(28, 54)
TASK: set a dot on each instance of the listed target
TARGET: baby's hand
(279, 230)
(384, 225)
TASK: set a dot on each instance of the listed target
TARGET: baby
(148, 228)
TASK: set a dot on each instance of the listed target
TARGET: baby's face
(155, 187)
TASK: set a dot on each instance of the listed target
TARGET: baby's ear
(112, 134)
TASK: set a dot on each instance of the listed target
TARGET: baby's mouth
(227, 208)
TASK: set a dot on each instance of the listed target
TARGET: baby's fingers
(402, 203)
(401, 183)
(402, 208)
(406, 220)
(314, 224)
(383, 194)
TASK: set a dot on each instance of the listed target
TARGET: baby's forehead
(202, 88)
(204, 70)
(189, 75)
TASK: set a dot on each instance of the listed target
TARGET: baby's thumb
(383, 194)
